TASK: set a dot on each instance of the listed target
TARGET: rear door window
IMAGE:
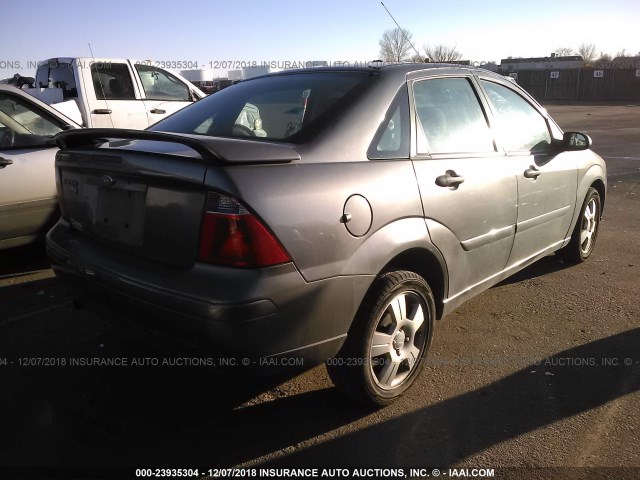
(59, 75)
(392, 138)
(450, 118)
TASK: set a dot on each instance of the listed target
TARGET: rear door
(468, 188)
(115, 100)
(547, 179)
(164, 92)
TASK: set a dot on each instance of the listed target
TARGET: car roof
(393, 71)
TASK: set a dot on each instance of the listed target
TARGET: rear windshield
(61, 76)
(282, 107)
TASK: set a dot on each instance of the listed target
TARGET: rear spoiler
(211, 149)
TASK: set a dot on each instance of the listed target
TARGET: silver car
(377, 201)
(28, 205)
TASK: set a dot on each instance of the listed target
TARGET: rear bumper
(223, 311)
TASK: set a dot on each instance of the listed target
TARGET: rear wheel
(583, 239)
(386, 346)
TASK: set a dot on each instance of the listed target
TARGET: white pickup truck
(109, 92)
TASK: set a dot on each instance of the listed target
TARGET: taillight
(231, 235)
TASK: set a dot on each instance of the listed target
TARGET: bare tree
(603, 58)
(588, 52)
(621, 53)
(564, 51)
(395, 45)
(442, 53)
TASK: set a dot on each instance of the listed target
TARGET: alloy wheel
(399, 340)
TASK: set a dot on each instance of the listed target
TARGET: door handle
(532, 172)
(102, 111)
(5, 161)
(158, 110)
(449, 179)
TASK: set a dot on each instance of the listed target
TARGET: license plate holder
(111, 207)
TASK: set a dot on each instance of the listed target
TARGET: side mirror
(572, 141)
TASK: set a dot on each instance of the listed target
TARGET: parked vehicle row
(111, 92)
(373, 201)
(68, 93)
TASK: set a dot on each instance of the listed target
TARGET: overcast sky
(285, 30)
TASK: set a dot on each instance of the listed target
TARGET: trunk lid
(144, 191)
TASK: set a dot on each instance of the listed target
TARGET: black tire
(380, 379)
(577, 250)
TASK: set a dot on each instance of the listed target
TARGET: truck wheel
(583, 238)
(387, 343)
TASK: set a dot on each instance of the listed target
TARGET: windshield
(281, 107)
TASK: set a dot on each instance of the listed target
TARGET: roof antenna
(401, 30)
(101, 86)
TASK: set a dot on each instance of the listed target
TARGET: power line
(401, 30)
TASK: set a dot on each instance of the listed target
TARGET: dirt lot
(540, 372)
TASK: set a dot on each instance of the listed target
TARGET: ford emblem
(107, 181)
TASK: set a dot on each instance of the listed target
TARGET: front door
(164, 93)
(547, 179)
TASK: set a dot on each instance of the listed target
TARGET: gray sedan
(375, 201)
